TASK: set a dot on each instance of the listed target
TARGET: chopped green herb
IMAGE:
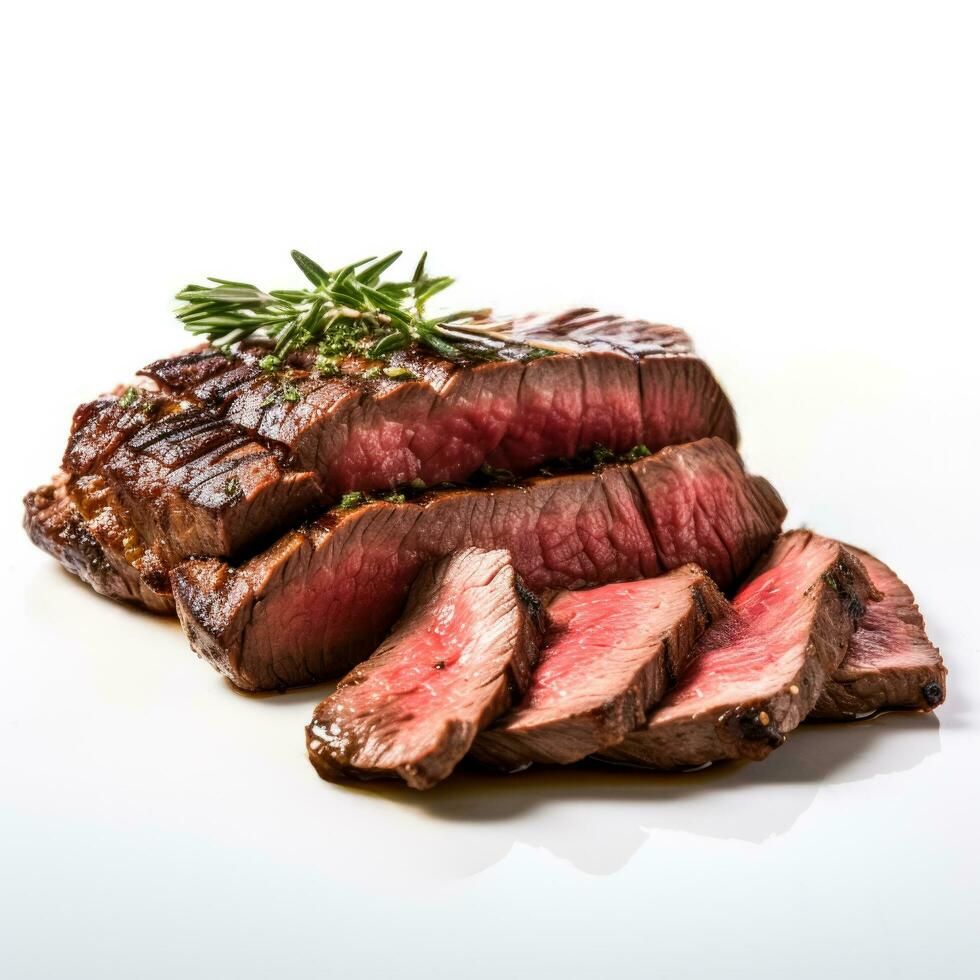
(831, 581)
(270, 362)
(535, 352)
(351, 500)
(326, 364)
(129, 397)
(232, 486)
(637, 452)
(498, 475)
(602, 454)
(286, 392)
(370, 373)
(401, 373)
(395, 498)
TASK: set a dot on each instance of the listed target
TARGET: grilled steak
(890, 663)
(320, 599)
(756, 675)
(458, 657)
(94, 546)
(213, 455)
(609, 655)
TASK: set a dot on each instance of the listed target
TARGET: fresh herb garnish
(129, 397)
(231, 486)
(371, 372)
(496, 474)
(637, 452)
(351, 500)
(400, 373)
(326, 365)
(286, 391)
(395, 498)
(270, 362)
(349, 310)
(602, 454)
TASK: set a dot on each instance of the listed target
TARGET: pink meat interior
(758, 648)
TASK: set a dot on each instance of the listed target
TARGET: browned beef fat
(459, 656)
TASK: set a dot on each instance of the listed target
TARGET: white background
(796, 184)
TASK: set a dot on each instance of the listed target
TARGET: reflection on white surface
(750, 801)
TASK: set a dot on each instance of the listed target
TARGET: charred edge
(754, 726)
(841, 579)
(529, 599)
(668, 660)
(703, 611)
(932, 693)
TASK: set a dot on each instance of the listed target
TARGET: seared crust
(209, 459)
(93, 548)
(891, 662)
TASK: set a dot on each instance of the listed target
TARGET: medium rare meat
(320, 599)
(459, 656)
(890, 663)
(213, 456)
(609, 655)
(757, 674)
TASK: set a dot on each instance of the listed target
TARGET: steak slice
(97, 549)
(459, 656)
(209, 458)
(609, 655)
(321, 598)
(756, 675)
(890, 663)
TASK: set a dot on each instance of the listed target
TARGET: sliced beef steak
(459, 657)
(756, 675)
(320, 599)
(94, 546)
(890, 663)
(210, 457)
(609, 655)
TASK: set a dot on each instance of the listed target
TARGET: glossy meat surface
(608, 657)
(758, 673)
(458, 657)
(211, 458)
(891, 662)
(320, 599)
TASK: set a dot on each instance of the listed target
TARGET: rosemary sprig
(348, 310)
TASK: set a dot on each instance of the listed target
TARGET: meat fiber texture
(756, 675)
(609, 655)
(459, 657)
(211, 459)
(891, 663)
(320, 599)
